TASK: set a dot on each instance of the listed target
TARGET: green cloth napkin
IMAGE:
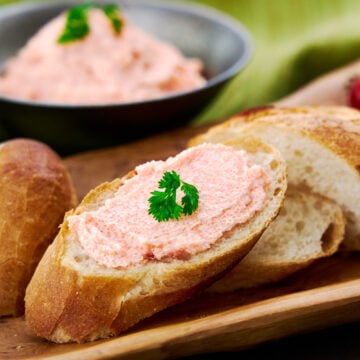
(295, 41)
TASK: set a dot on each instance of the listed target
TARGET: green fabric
(295, 41)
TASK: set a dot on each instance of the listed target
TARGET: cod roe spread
(104, 67)
(122, 233)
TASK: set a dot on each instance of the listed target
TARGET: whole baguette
(321, 146)
(308, 227)
(331, 89)
(35, 192)
(71, 298)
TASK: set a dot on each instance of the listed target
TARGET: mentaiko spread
(122, 233)
(104, 67)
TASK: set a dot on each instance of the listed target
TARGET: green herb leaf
(190, 201)
(170, 180)
(77, 25)
(112, 12)
(163, 205)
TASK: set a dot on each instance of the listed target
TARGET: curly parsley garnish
(112, 12)
(77, 25)
(163, 205)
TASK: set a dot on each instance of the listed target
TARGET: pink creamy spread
(121, 233)
(105, 67)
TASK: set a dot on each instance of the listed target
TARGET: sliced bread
(73, 298)
(308, 227)
(321, 146)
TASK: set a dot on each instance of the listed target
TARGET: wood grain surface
(325, 294)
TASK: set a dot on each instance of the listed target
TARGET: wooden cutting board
(325, 294)
(94, 167)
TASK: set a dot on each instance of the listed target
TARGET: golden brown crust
(334, 131)
(335, 127)
(35, 192)
(207, 273)
(92, 301)
(260, 272)
(253, 277)
(57, 292)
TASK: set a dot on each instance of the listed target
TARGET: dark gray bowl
(223, 44)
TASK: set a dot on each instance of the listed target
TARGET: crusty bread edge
(251, 275)
(123, 301)
(44, 185)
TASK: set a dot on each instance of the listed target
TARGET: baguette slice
(321, 146)
(308, 227)
(35, 192)
(71, 298)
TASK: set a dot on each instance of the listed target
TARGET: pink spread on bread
(121, 233)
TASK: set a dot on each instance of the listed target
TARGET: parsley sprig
(163, 205)
(77, 25)
(112, 12)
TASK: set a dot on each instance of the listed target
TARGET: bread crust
(98, 302)
(256, 270)
(334, 129)
(35, 192)
(330, 89)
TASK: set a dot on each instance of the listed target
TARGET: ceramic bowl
(223, 44)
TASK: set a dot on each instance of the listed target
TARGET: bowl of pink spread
(124, 70)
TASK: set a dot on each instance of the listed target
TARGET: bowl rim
(200, 10)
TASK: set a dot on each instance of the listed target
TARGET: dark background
(341, 342)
